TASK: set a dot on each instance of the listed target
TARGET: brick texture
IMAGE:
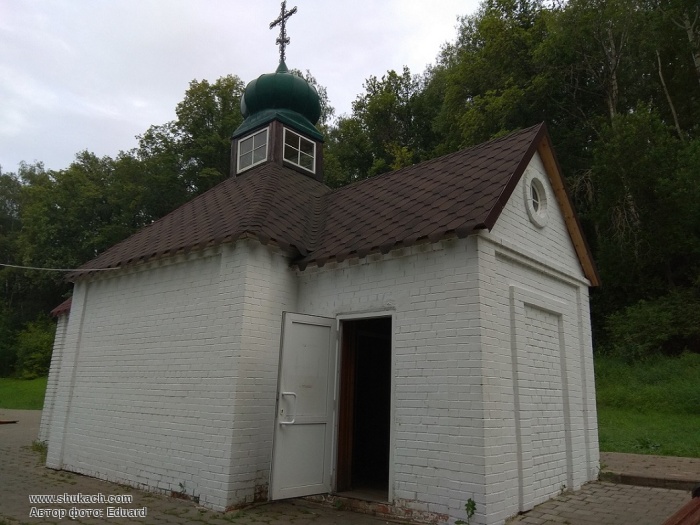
(167, 374)
(52, 383)
(537, 369)
(431, 293)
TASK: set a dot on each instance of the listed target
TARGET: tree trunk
(668, 97)
(613, 55)
(691, 29)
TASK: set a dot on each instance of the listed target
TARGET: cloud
(81, 74)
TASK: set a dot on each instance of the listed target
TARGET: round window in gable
(536, 199)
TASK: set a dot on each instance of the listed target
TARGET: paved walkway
(650, 471)
(598, 503)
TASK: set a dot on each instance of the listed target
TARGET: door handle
(291, 422)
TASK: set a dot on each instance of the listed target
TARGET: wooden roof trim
(508, 189)
(573, 225)
(63, 308)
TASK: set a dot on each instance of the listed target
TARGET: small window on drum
(252, 150)
(299, 151)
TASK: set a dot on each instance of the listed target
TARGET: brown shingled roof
(455, 194)
(63, 308)
(274, 204)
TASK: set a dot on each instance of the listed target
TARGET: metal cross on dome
(283, 39)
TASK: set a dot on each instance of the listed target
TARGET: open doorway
(365, 409)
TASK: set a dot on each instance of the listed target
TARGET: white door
(301, 457)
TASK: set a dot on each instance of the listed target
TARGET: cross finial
(283, 39)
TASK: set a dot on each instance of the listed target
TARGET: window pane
(292, 139)
(260, 139)
(290, 154)
(246, 145)
(307, 161)
(259, 154)
(307, 147)
(535, 197)
(246, 159)
(299, 150)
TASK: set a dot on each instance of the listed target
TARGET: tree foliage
(192, 153)
(64, 218)
(34, 344)
(616, 81)
(389, 128)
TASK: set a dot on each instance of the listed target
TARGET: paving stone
(22, 473)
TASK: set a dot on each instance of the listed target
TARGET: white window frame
(298, 151)
(266, 131)
(537, 211)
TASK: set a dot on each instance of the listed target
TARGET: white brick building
(419, 338)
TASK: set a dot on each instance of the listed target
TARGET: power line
(57, 269)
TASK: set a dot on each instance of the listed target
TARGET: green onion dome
(281, 90)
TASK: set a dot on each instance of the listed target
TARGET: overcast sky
(93, 74)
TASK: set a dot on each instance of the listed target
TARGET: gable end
(542, 144)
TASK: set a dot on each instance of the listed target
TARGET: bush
(655, 385)
(668, 325)
(34, 345)
(8, 352)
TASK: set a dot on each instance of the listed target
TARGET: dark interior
(367, 406)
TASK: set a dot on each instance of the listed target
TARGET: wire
(58, 269)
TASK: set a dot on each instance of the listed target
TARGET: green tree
(34, 346)
(685, 16)
(390, 127)
(347, 153)
(492, 84)
(65, 212)
(21, 298)
(193, 153)
(327, 110)
(10, 225)
(8, 351)
(647, 216)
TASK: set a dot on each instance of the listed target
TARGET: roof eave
(289, 248)
(542, 143)
(571, 219)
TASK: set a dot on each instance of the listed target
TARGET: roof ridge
(261, 207)
(459, 152)
(456, 193)
(316, 220)
(538, 131)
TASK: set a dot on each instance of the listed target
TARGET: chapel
(416, 339)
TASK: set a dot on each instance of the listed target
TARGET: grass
(650, 407)
(22, 394)
(41, 448)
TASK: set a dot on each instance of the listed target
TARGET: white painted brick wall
(160, 387)
(522, 371)
(64, 370)
(538, 357)
(52, 382)
(156, 358)
(432, 291)
(542, 401)
(552, 243)
(270, 288)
